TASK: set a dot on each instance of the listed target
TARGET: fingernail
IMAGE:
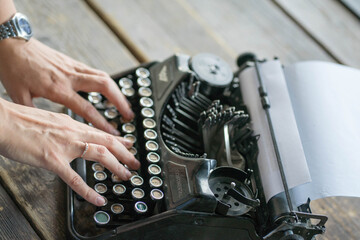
(100, 201)
(128, 143)
(131, 114)
(128, 174)
(137, 163)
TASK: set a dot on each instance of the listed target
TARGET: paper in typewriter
(324, 99)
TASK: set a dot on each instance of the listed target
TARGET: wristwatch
(17, 27)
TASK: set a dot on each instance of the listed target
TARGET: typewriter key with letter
(154, 169)
(94, 97)
(147, 113)
(150, 134)
(115, 178)
(97, 167)
(133, 151)
(100, 188)
(151, 146)
(119, 189)
(155, 182)
(137, 193)
(142, 72)
(156, 194)
(146, 102)
(128, 128)
(128, 92)
(130, 137)
(140, 207)
(149, 123)
(143, 82)
(136, 181)
(111, 113)
(153, 157)
(145, 92)
(100, 175)
(117, 208)
(101, 218)
(125, 83)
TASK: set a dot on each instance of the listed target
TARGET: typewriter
(199, 177)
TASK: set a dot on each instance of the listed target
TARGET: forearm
(7, 10)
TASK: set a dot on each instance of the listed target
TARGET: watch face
(25, 26)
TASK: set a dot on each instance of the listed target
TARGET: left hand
(32, 69)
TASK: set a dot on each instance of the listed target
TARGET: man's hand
(52, 140)
(31, 69)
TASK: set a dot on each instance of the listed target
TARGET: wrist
(7, 10)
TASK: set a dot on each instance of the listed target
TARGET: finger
(113, 144)
(83, 68)
(83, 108)
(107, 87)
(71, 178)
(24, 99)
(101, 154)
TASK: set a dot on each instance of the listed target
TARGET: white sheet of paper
(284, 124)
(325, 99)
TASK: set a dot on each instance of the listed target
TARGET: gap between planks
(119, 32)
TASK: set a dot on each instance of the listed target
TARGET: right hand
(52, 140)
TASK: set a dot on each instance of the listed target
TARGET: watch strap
(7, 30)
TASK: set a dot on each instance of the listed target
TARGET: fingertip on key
(100, 201)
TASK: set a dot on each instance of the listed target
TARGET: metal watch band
(7, 30)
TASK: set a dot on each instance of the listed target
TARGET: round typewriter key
(130, 137)
(94, 97)
(140, 207)
(100, 188)
(150, 134)
(156, 194)
(134, 173)
(115, 178)
(117, 208)
(151, 146)
(136, 181)
(143, 82)
(111, 113)
(119, 189)
(153, 157)
(137, 193)
(146, 102)
(125, 83)
(149, 123)
(101, 218)
(108, 104)
(142, 72)
(133, 151)
(128, 128)
(145, 92)
(97, 167)
(100, 175)
(154, 169)
(147, 112)
(155, 182)
(128, 92)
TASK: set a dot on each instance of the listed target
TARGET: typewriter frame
(273, 219)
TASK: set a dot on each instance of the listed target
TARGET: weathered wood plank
(71, 27)
(330, 24)
(160, 28)
(11, 218)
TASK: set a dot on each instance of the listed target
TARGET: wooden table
(114, 35)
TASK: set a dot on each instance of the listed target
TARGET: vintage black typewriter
(199, 177)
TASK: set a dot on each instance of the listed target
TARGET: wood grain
(11, 218)
(330, 24)
(227, 28)
(71, 27)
